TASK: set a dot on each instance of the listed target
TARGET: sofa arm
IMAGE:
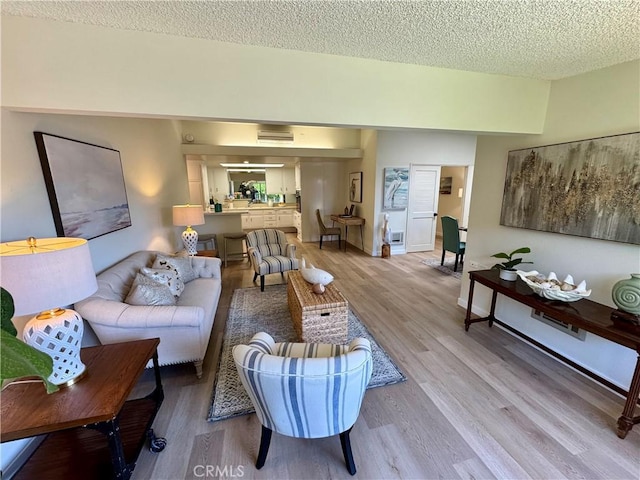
(206, 267)
(118, 314)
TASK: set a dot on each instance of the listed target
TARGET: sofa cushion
(180, 265)
(166, 277)
(146, 291)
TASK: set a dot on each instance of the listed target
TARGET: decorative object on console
(552, 288)
(43, 275)
(186, 216)
(581, 188)
(507, 272)
(314, 275)
(626, 296)
(87, 208)
(318, 288)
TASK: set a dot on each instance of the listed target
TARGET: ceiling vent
(274, 136)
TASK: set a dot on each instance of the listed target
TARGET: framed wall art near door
(355, 187)
(85, 185)
(396, 189)
(587, 188)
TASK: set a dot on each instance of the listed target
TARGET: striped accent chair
(305, 390)
(269, 252)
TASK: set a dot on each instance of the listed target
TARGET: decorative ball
(626, 294)
(318, 288)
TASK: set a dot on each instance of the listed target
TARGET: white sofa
(183, 329)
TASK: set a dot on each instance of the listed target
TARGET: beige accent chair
(327, 231)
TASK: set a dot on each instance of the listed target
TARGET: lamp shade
(187, 215)
(46, 273)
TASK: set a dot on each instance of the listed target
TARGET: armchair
(269, 252)
(294, 388)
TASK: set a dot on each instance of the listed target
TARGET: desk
(590, 316)
(346, 221)
(115, 429)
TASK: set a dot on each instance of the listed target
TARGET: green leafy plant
(17, 359)
(510, 261)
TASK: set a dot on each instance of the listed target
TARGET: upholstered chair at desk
(327, 231)
(293, 388)
(269, 252)
(451, 240)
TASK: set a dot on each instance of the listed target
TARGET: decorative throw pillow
(145, 291)
(165, 277)
(180, 265)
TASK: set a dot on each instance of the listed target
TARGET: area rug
(447, 268)
(252, 311)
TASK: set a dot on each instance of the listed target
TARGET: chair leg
(265, 441)
(455, 265)
(320, 241)
(346, 451)
(262, 283)
(255, 275)
(442, 261)
(339, 241)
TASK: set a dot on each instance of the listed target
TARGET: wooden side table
(92, 430)
(207, 253)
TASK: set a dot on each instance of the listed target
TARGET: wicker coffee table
(317, 318)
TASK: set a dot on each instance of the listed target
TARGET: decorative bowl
(551, 288)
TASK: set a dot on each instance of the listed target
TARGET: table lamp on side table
(186, 216)
(42, 276)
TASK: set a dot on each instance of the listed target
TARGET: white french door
(424, 185)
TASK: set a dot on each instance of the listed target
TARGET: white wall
(154, 171)
(595, 104)
(401, 149)
(70, 67)
(322, 180)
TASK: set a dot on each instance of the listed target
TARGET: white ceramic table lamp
(186, 216)
(44, 275)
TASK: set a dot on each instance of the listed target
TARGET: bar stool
(242, 236)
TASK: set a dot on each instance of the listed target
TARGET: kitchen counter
(240, 211)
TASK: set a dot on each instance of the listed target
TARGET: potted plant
(507, 272)
(17, 359)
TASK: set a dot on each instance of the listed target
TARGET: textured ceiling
(546, 39)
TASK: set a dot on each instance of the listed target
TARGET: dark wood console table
(590, 316)
(115, 429)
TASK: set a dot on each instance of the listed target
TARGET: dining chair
(451, 240)
(305, 390)
(327, 231)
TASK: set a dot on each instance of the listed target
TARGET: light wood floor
(477, 404)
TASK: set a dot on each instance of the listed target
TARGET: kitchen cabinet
(285, 218)
(267, 218)
(196, 185)
(220, 183)
(280, 181)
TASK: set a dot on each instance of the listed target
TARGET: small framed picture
(355, 187)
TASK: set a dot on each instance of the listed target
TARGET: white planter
(508, 275)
